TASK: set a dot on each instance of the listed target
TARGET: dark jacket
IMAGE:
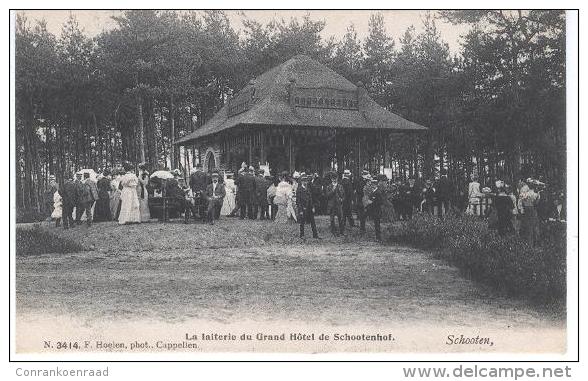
(316, 190)
(199, 180)
(429, 195)
(504, 207)
(377, 197)
(71, 192)
(347, 185)
(359, 186)
(49, 192)
(411, 195)
(334, 196)
(89, 192)
(261, 185)
(104, 188)
(219, 192)
(247, 187)
(304, 199)
(444, 188)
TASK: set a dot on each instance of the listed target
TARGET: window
(320, 101)
(303, 101)
(296, 100)
(332, 103)
(314, 100)
(339, 103)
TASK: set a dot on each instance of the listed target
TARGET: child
(57, 209)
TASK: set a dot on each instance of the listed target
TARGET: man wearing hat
(305, 205)
(89, 194)
(198, 182)
(261, 205)
(215, 193)
(429, 197)
(377, 198)
(359, 187)
(70, 194)
(444, 192)
(246, 193)
(347, 185)
(334, 194)
(316, 187)
(409, 196)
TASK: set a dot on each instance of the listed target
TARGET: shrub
(36, 240)
(506, 263)
(28, 215)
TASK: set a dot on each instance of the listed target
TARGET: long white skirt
(228, 203)
(130, 210)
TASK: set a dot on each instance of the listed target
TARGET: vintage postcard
(297, 182)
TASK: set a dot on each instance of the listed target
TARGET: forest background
(495, 108)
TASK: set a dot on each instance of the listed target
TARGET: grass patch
(36, 240)
(508, 264)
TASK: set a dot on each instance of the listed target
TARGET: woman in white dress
(229, 200)
(282, 198)
(57, 208)
(142, 194)
(130, 210)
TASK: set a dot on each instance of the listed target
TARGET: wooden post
(172, 132)
(360, 166)
(290, 152)
(262, 148)
(385, 148)
(250, 148)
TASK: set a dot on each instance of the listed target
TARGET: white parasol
(162, 175)
(90, 171)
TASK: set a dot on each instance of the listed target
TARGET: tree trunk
(140, 130)
(172, 131)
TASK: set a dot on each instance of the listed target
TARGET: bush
(36, 240)
(506, 263)
(28, 215)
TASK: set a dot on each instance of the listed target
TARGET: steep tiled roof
(271, 104)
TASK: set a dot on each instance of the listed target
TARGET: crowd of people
(516, 210)
(119, 195)
(123, 195)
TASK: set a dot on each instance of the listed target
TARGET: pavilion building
(299, 115)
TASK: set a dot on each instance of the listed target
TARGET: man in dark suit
(215, 193)
(347, 185)
(83, 195)
(261, 185)
(199, 180)
(444, 192)
(359, 186)
(247, 193)
(409, 198)
(69, 193)
(334, 194)
(305, 206)
(316, 187)
(429, 194)
(377, 198)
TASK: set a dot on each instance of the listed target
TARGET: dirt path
(239, 271)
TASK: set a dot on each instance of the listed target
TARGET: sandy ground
(159, 282)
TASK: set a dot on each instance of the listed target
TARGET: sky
(337, 21)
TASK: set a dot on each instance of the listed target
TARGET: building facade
(302, 116)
